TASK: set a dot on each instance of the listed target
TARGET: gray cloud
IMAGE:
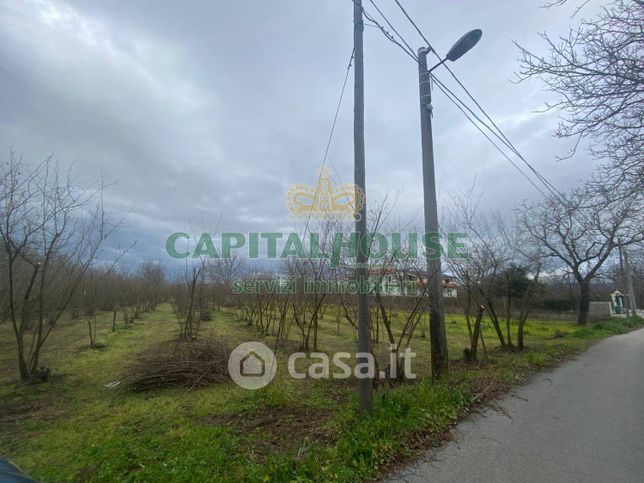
(206, 112)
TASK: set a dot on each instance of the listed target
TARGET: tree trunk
(522, 320)
(25, 374)
(495, 322)
(584, 302)
(92, 334)
(472, 355)
(468, 307)
(507, 320)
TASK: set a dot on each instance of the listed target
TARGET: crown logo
(325, 200)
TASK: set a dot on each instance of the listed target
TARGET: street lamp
(437, 335)
(461, 47)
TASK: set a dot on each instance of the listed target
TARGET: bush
(558, 305)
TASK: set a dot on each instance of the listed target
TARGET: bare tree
(399, 288)
(500, 275)
(152, 281)
(481, 272)
(221, 272)
(522, 277)
(50, 233)
(597, 70)
(92, 296)
(311, 273)
(582, 232)
(225, 270)
(187, 307)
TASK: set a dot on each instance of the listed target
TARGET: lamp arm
(438, 65)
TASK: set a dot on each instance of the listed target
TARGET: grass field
(73, 428)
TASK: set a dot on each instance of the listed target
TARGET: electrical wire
(462, 106)
(384, 31)
(328, 144)
(449, 95)
(498, 133)
(402, 39)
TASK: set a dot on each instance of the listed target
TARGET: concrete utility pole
(365, 385)
(437, 335)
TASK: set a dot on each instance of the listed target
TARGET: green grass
(73, 428)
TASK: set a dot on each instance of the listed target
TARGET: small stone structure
(600, 310)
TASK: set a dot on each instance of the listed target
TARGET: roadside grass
(73, 428)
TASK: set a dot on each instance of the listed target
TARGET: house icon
(252, 365)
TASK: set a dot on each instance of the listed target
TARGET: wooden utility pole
(365, 385)
(437, 335)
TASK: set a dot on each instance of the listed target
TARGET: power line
(449, 95)
(501, 136)
(414, 25)
(335, 120)
(495, 130)
(558, 195)
(337, 109)
(328, 144)
(405, 48)
(457, 100)
(409, 48)
(507, 142)
(453, 97)
(458, 103)
(384, 31)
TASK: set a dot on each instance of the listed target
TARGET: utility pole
(622, 277)
(437, 335)
(629, 285)
(365, 385)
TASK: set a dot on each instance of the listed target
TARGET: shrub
(558, 305)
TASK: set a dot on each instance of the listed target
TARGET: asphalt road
(583, 421)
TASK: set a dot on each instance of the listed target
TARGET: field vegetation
(79, 426)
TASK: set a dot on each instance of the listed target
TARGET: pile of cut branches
(180, 364)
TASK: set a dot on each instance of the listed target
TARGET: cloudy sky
(203, 113)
